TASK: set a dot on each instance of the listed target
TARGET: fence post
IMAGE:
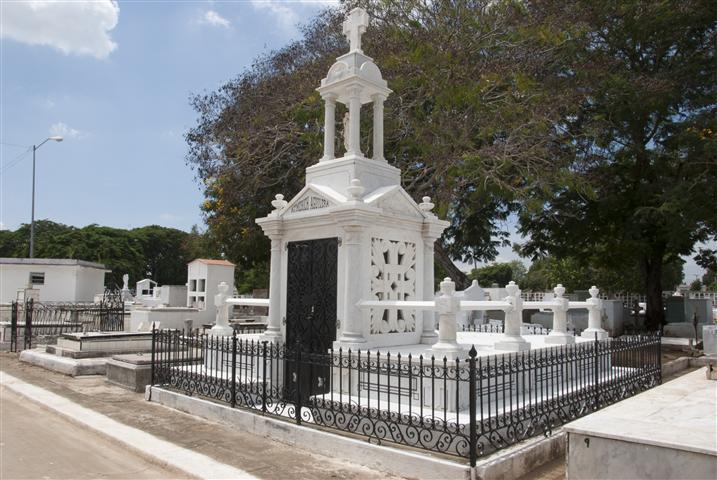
(154, 349)
(297, 376)
(13, 327)
(27, 341)
(473, 434)
(596, 392)
(659, 358)
(234, 368)
(263, 376)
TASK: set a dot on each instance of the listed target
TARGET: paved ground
(256, 455)
(37, 443)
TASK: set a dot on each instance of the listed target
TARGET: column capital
(379, 97)
(329, 97)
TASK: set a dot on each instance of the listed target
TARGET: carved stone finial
(354, 26)
(426, 205)
(356, 189)
(512, 289)
(279, 203)
(448, 286)
(559, 291)
(594, 291)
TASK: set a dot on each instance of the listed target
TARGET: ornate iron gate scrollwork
(311, 308)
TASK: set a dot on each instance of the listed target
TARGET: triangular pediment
(313, 197)
(394, 200)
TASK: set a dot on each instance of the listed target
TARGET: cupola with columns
(384, 239)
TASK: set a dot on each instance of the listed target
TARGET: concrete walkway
(207, 448)
(38, 443)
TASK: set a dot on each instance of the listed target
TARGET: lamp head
(56, 138)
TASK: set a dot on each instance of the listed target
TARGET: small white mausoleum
(203, 278)
(55, 279)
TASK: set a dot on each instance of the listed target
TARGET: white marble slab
(681, 414)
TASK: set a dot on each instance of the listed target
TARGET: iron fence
(32, 319)
(467, 407)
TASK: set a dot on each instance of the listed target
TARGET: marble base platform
(666, 432)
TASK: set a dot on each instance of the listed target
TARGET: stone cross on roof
(355, 26)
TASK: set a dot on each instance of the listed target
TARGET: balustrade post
(512, 341)
(594, 309)
(447, 305)
(559, 334)
(222, 328)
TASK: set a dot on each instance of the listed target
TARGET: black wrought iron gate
(310, 311)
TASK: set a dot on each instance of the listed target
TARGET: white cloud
(66, 131)
(214, 19)
(286, 17)
(80, 27)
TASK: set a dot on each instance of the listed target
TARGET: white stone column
(559, 334)
(447, 305)
(428, 334)
(511, 340)
(354, 121)
(351, 323)
(273, 328)
(329, 126)
(378, 126)
(594, 320)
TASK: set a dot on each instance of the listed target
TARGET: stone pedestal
(709, 339)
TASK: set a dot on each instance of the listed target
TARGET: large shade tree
(594, 121)
(642, 144)
(468, 120)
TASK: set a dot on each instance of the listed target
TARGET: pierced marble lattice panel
(393, 277)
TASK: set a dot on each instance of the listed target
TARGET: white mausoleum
(352, 233)
(203, 278)
(54, 279)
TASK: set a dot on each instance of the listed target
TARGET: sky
(114, 80)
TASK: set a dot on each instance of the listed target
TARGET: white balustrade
(448, 304)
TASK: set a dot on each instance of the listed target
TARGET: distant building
(203, 277)
(54, 279)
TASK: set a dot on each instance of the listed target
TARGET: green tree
(545, 273)
(500, 273)
(465, 82)
(594, 120)
(156, 252)
(639, 150)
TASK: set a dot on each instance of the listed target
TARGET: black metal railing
(468, 407)
(39, 319)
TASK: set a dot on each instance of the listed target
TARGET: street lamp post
(32, 219)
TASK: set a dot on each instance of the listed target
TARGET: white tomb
(203, 279)
(354, 216)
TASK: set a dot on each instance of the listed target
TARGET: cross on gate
(355, 26)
